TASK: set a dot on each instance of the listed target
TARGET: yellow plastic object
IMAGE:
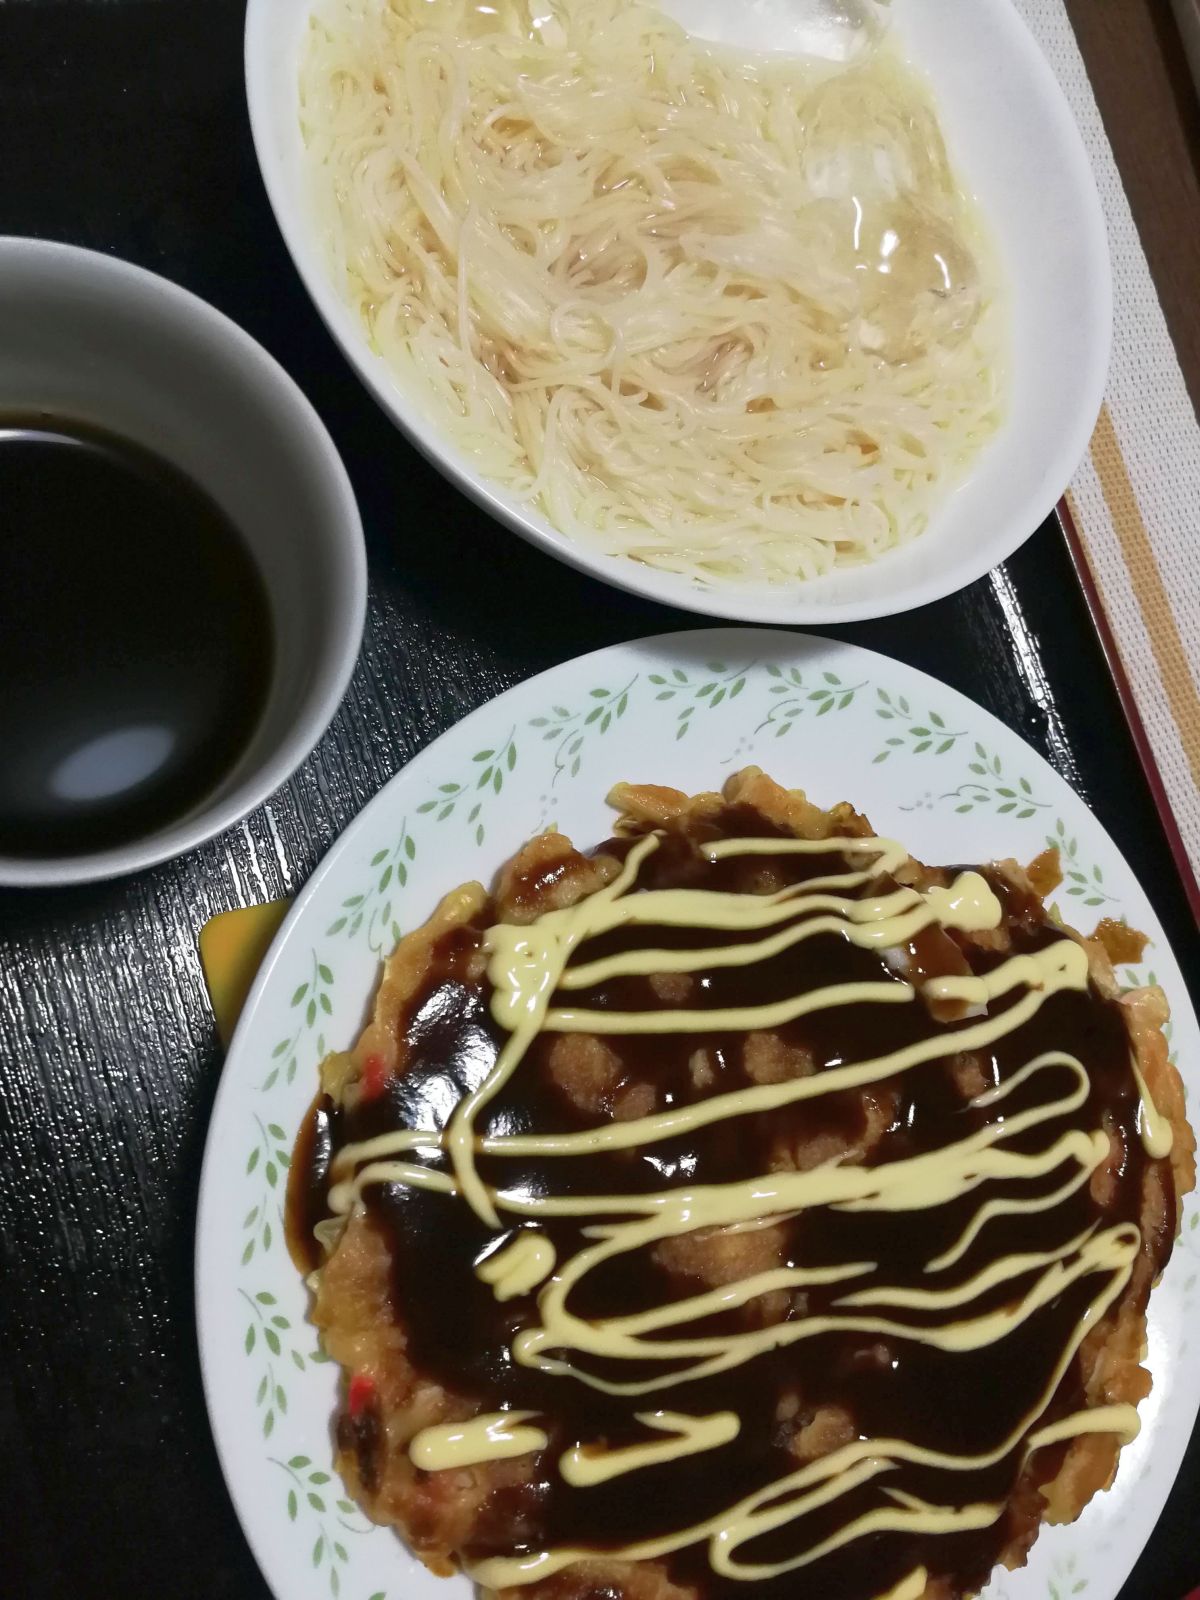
(232, 947)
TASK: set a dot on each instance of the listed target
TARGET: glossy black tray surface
(123, 127)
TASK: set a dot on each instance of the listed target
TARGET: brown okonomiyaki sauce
(308, 1183)
(962, 1403)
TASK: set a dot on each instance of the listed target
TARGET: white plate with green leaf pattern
(923, 762)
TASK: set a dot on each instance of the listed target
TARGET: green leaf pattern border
(973, 779)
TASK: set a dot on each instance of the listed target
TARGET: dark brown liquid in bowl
(136, 646)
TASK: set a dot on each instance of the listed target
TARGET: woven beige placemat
(1135, 500)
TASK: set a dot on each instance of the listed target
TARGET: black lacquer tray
(123, 127)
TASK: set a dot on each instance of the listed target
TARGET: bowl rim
(170, 301)
(790, 607)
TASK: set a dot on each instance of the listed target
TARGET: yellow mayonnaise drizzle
(495, 1436)
(910, 1588)
(1156, 1132)
(585, 1465)
(518, 1267)
(528, 967)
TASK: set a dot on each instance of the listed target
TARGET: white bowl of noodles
(715, 402)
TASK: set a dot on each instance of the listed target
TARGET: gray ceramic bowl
(94, 339)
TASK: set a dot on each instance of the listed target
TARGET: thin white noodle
(728, 316)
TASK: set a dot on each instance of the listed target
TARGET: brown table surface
(1151, 112)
